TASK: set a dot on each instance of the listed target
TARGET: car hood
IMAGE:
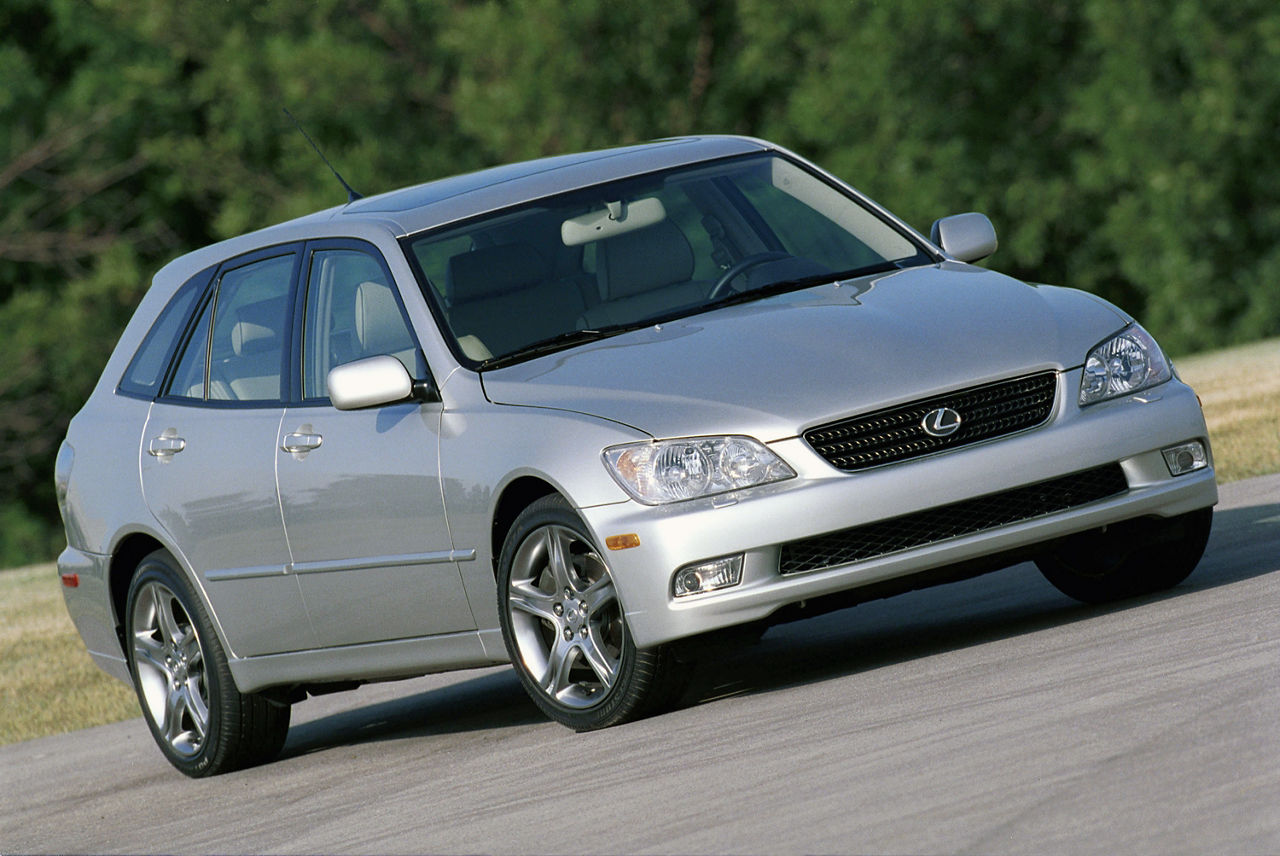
(777, 366)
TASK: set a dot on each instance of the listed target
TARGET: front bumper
(1130, 431)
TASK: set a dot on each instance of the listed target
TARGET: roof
(425, 206)
(431, 204)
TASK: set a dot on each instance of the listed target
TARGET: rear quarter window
(145, 374)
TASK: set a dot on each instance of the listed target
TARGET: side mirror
(967, 237)
(372, 382)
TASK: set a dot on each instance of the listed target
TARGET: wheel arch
(125, 558)
(515, 498)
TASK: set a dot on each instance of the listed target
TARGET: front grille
(951, 521)
(898, 433)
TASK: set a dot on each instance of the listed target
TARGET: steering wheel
(740, 267)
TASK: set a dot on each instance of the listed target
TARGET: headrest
(255, 330)
(379, 325)
(488, 271)
(645, 259)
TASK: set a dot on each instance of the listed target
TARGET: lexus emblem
(942, 422)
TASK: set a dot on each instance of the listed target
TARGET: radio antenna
(352, 196)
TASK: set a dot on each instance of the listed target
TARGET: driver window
(351, 313)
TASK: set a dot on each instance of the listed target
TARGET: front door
(360, 490)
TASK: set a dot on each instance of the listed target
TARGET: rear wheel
(201, 722)
(1129, 559)
(565, 629)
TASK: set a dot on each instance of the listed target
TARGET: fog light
(1185, 458)
(707, 576)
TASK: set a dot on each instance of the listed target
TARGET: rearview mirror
(615, 218)
(966, 237)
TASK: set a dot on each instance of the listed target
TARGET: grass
(1240, 391)
(49, 685)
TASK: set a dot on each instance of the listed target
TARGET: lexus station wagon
(588, 415)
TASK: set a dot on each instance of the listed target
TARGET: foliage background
(1127, 147)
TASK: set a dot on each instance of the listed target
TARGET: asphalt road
(989, 716)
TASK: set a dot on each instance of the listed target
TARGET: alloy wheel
(171, 669)
(565, 617)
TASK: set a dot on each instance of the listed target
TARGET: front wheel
(203, 725)
(565, 629)
(1129, 559)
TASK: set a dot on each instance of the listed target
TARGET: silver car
(584, 414)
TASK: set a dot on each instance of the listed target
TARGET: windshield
(622, 255)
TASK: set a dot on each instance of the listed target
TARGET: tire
(1129, 559)
(201, 722)
(565, 629)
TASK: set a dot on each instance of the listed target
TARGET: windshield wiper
(558, 342)
(784, 285)
(569, 338)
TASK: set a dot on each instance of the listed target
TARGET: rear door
(360, 490)
(208, 454)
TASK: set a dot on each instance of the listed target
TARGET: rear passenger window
(237, 350)
(189, 378)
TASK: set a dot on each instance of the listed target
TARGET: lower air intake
(970, 516)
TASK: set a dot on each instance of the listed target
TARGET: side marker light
(622, 542)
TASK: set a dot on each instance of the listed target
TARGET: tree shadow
(1003, 605)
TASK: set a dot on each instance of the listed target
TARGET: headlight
(1126, 363)
(690, 467)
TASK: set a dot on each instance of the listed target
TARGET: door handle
(297, 442)
(166, 446)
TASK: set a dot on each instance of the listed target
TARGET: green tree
(1124, 147)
